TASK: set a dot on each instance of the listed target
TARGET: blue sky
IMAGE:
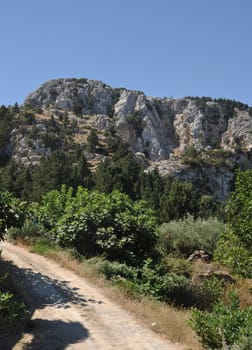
(162, 47)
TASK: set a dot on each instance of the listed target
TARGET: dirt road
(70, 313)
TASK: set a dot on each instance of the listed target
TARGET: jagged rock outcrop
(161, 129)
(80, 95)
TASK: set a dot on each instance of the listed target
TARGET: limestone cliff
(188, 137)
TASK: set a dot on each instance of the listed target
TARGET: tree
(92, 140)
(234, 248)
(119, 173)
(151, 188)
(239, 208)
(178, 199)
(60, 168)
(6, 121)
(95, 223)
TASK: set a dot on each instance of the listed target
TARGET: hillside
(134, 189)
(191, 138)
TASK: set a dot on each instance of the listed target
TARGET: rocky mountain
(190, 138)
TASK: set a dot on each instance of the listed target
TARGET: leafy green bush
(176, 289)
(209, 292)
(226, 324)
(11, 311)
(177, 265)
(184, 236)
(114, 270)
(98, 224)
(53, 206)
(146, 280)
(29, 231)
(231, 253)
(168, 287)
(14, 233)
(129, 288)
(12, 212)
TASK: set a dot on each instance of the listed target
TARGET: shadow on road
(55, 335)
(39, 291)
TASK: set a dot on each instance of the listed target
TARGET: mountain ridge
(188, 138)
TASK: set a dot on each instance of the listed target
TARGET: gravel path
(70, 313)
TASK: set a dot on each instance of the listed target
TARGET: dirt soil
(67, 312)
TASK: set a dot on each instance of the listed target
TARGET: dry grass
(161, 318)
(43, 116)
(244, 287)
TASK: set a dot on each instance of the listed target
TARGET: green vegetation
(235, 246)
(12, 310)
(97, 224)
(184, 236)
(170, 207)
(92, 140)
(137, 123)
(227, 106)
(12, 212)
(30, 183)
(231, 253)
(225, 326)
(239, 208)
(66, 164)
(207, 158)
(6, 124)
(137, 229)
(119, 236)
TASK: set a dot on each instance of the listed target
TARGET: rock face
(80, 95)
(161, 129)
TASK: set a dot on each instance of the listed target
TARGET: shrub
(146, 280)
(53, 206)
(111, 225)
(14, 233)
(129, 288)
(184, 236)
(175, 288)
(231, 253)
(179, 266)
(167, 287)
(115, 270)
(12, 212)
(11, 311)
(226, 324)
(28, 231)
(123, 276)
(209, 292)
